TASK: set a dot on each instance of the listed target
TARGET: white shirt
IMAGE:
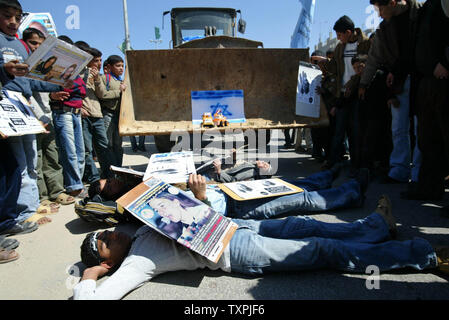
(151, 254)
(349, 53)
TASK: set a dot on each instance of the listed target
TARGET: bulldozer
(206, 54)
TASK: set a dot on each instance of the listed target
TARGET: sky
(101, 24)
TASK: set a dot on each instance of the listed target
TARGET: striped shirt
(77, 94)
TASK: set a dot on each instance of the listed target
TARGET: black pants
(432, 106)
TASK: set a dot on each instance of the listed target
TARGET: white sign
(307, 100)
(172, 167)
(17, 117)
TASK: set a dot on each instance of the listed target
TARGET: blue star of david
(224, 109)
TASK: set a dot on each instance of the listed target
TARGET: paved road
(50, 264)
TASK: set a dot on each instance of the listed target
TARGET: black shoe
(142, 148)
(134, 149)
(384, 208)
(363, 178)
(389, 180)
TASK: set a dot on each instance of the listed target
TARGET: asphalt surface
(49, 264)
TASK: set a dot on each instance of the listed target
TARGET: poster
(180, 217)
(56, 61)
(307, 100)
(17, 117)
(256, 189)
(41, 21)
(230, 102)
(172, 167)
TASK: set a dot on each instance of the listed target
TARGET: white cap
(445, 6)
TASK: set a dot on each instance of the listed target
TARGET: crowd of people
(42, 172)
(387, 99)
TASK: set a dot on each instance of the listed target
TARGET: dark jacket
(432, 38)
(338, 59)
(393, 45)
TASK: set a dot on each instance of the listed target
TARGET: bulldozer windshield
(191, 25)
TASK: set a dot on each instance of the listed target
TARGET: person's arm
(127, 278)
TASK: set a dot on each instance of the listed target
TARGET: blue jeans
(94, 134)
(318, 196)
(69, 139)
(10, 181)
(24, 149)
(302, 243)
(400, 128)
(114, 138)
(346, 125)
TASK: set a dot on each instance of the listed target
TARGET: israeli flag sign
(230, 102)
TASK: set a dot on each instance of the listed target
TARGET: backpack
(98, 210)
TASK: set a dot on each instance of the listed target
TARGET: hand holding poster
(177, 215)
(56, 61)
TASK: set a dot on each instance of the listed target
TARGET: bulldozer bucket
(157, 100)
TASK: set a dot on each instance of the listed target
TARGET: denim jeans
(302, 243)
(346, 125)
(10, 181)
(400, 157)
(114, 138)
(70, 142)
(318, 196)
(94, 134)
(24, 149)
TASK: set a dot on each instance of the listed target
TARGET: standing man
(94, 131)
(432, 98)
(390, 50)
(352, 43)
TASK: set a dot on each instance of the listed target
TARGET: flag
(157, 33)
(301, 35)
(122, 48)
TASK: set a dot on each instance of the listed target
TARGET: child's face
(117, 69)
(96, 63)
(34, 42)
(10, 19)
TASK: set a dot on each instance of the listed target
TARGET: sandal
(47, 209)
(21, 228)
(8, 256)
(8, 244)
(65, 199)
(51, 204)
(38, 219)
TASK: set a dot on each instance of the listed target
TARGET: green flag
(157, 33)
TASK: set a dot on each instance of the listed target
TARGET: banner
(301, 35)
(40, 21)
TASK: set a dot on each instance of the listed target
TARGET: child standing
(109, 88)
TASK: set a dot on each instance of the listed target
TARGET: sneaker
(442, 258)
(384, 208)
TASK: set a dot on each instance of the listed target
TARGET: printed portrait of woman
(180, 211)
(68, 72)
(47, 65)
